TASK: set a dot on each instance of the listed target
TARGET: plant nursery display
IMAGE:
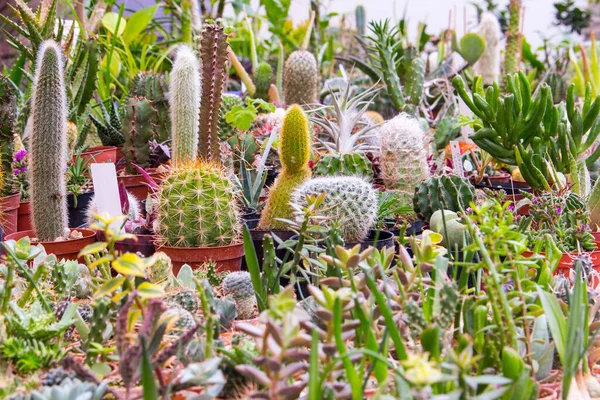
(223, 200)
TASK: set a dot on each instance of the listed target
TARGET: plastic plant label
(106, 189)
(456, 158)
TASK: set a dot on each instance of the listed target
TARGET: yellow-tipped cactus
(49, 144)
(294, 153)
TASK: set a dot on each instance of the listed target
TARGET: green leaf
(101, 370)
(150, 390)
(93, 248)
(138, 22)
(109, 287)
(148, 290)
(130, 264)
(240, 117)
(314, 381)
(110, 21)
(254, 269)
(556, 321)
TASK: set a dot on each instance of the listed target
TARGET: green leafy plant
(30, 355)
(241, 117)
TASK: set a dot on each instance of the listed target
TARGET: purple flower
(511, 207)
(16, 171)
(534, 199)
(558, 210)
(20, 155)
(24, 169)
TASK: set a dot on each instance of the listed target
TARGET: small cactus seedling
(263, 77)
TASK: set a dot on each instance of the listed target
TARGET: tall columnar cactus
(488, 65)
(403, 157)
(184, 92)
(238, 285)
(48, 144)
(138, 130)
(7, 131)
(513, 38)
(155, 88)
(350, 203)
(442, 192)
(301, 74)
(263, 76)
(213, 55)
(197, 208)
(415, 80)
(360, 16)
(294, 152)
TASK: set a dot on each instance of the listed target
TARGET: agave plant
(340, 120)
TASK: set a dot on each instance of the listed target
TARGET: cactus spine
(294, 153)
(184, 92)
(488, 65)
(197, 208)
(7, 131)
(262, 80)
(213, 54)
(513, 38)
(49, 144)
(350, 203)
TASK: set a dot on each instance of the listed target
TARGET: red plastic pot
(68, 249)
(9, 207)
(226, 258)
(565, 265)
(100, 154)
(137, 184)
(24, 217)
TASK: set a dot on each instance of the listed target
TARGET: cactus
(513, 38)
(294, 152)
(196, 208)
(213, 54)
(7, 132)
(49, 144)
(101, 317)
(442, 192)
(403, 158)
(184, 93)
(155, 88)
(488, 65)
(350, 203)
(238, 285)
(344, 164)
(262, 80)
(360, 16)
(448, 301)
(558, 85)
(470, 47)
(228, 101)
(138, 131)
(415, 78)
(185, 299)
(161, 269)
(301, 78)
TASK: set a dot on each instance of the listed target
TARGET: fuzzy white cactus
(488, 65)
(184, 94)
(403, 157)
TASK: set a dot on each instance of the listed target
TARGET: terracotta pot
(565, 265)
(24, 217)
(9, 212)
(99, 154)
(547, 394)
(137, 185)
(501, 177)
(226, 258)
(68, 249)
(552, 381)
(143, 244)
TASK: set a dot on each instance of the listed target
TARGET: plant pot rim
(161, 246)
(100, 148)
(87, 233)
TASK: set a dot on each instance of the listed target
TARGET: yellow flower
(420, 371)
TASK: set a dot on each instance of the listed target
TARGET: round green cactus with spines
(49, 144)
(228, 101)
(162, 268)
(262, 80)
(197, 208)
(301, 78)
(355, 164)
(350, 202)
(294, 152)
(442, 192)
(184, 93)
(186, 299)
(238, 285)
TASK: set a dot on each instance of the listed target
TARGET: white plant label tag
(106, 189)
(456, 158)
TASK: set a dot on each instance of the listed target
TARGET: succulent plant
(348, 164)
(263, 76)
(184, 92)
(442, 192)
(162, 268)
(154, 88)
(301, 74)
(56, 376)
(185, 298)
(213, 54)
(294, 152)
(31, 355)
(196, 208)
(350, 203)
(228, 101)
(403, 158)
(238, 285)
(101, 319)
(513, 38)
(109, 127)
(7, 132)
(360, 19)
(488, 65)
(49, 145)
(183, 319)
(70, 389)
(138, 130)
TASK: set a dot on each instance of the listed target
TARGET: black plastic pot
(271, 175)
(508, 187)
(414, 228)
(77, 214)
(248, 214)
(257, 238)
(377, 239)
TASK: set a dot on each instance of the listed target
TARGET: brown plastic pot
(226, 258)
(24, 217)
(9, 211)
(137, 185)
(143, 244)
(99, 154)
(68, 249)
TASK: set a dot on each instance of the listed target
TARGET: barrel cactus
(294, 152)
(184, 92)
(238, 285)
(196, 208)
(345, 165)
(350, 203)
(403, 157)
(488, 65)
(49, 144)
(442, 192)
